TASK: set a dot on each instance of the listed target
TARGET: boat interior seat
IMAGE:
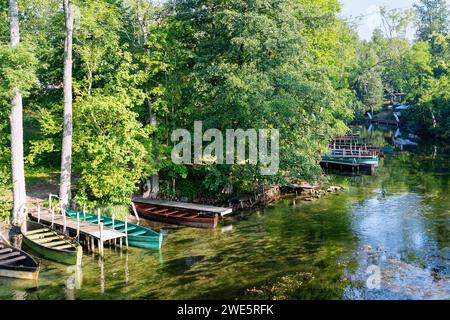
(5, 250)
(130, 228)
(65, 246)
(118, 225)
(9, 255)
(55, 243)
(13, 260)
(138, 233)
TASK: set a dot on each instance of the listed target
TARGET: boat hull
(62, 257)
(23, 275)
(196, 221)
(25, 267)
(70, 257)
(148, 243)
(352, 160)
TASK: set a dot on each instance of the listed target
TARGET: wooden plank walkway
(185, 205)
(86, 228)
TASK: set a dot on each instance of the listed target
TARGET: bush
(5, 195)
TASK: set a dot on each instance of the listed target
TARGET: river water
(384, 237)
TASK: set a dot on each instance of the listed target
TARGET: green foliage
(255, 66)
(432, 17)
(5, 192)
(111, 149)
(17, 70)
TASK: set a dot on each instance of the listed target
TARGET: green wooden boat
(351, 159)
(138, 236)
(388, 150)
(51, 244)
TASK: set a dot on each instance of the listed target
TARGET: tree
(66, 154)
(432, 17)
(16, 119)
(395, 22)
(264, 64)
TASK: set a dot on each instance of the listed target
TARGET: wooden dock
(89, 231)
(384, 122)
(186, 206)
(352, 167)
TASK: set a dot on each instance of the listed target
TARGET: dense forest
(141, 69)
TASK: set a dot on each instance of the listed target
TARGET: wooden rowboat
(177, 216)
(138, 236)
(351, 159)
(52, 244)
(15, 263)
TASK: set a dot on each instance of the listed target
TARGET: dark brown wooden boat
(15, 263)
(177, 216)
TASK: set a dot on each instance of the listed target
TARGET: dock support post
(84, 212)
(98, 215)
(88, 243)
(39, 213)
(100, 241)
(126, 232)
(114, 225)
(92, 244)
(50, 200)
(78, 225)
(53, 216)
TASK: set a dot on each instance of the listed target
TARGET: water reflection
(393, 236)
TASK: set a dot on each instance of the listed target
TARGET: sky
(369, 10)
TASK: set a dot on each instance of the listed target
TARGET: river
(384, 237)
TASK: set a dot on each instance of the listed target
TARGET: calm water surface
(397, 221)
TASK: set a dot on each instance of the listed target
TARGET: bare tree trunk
(152, 184)
(16, 120)
(433, 118)
(66, 156)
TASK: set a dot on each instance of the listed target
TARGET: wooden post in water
(53, 217)
(78, 225)
(113, 225)
(88, 242)
(39, 213)
(126, 232)
(135, 211)
(92, 244)
(100, 241)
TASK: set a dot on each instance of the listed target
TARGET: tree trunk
(152, 184)
(433, 118)
(66, 155)
(16, 120)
